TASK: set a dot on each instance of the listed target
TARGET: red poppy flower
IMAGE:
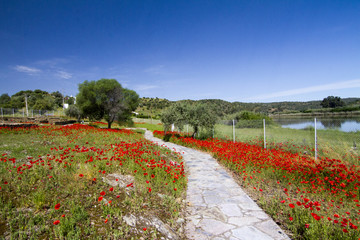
(57, 206)
(100, 199)
(111, 189)
(106, 220)
(81, 175)
(102, 193)
(56, 222)
(144, 229)
(307, 225)
(291, 205)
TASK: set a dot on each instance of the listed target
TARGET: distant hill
(152, 107)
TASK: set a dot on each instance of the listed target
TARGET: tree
(73, 111)
(69, 100)
(198, 116)
(106, 99)
(58, 97)
(131, 99)
(5, 100)
(332, 102)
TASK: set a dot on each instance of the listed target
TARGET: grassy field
(331, 143)
(82, 182)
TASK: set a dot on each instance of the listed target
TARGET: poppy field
(83, 182)
(312, 199)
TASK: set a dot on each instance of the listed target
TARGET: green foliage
(69, 100)
(332, 102)
(45, 102)
(73, 111)
(37, 99)
(151, 107)
(106, 99)
(197, 116)
(246, 119)
(5, 100)
(58, 98)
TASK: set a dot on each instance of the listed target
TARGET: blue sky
(247, 51)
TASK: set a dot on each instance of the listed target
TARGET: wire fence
(325, 138)
(23, 113)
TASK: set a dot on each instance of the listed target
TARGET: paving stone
(231, 210)
(243, 221)
(258, 214)
(214, 227)
(250, 233)
(212, 199)
(217, 207)
(214, 213)
(272, 229)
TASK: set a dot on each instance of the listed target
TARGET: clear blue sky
(248, 51)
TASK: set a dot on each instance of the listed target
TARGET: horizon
(236, 51)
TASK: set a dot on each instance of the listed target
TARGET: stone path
(217, 207)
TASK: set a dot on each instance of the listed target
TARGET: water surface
(343, 124)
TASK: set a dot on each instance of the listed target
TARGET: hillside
(152, 107)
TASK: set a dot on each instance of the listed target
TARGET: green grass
(149, 126)
(41, 167)
(331, 143)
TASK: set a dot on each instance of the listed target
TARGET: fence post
(234, 130)
(315, 141)
(264, 134)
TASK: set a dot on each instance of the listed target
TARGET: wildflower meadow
(61, 182)
(312, 199)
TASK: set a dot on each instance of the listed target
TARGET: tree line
(37, 99)
(97, 100)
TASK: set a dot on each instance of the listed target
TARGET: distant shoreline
(317, 114)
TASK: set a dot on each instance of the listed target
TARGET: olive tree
(197, 116)
(105, 99)
(73, 111)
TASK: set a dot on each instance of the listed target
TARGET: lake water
(342, 124)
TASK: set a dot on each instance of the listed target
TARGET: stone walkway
(217, 207)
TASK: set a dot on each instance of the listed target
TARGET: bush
(249, 124)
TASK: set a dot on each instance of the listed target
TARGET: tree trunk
(195, 131)
(109, 124)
